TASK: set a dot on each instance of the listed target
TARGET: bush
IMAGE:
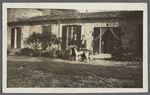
(64, 54)
(26, 51)
(45, 54)
(121, 54)
(8, 52)
(18, 53)
(34, 40)
(36, 53)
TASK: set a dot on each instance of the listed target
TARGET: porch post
(100, 40)
(58, 28)
(15, 41)
(58, 32)
(67, 38)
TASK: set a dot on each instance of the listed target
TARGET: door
(96, 42)
(64, 37)
(12, 37)
(109, 40)
(19, 37)
(78, 32)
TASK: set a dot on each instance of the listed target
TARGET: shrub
(39, 42)
(34, 40)
(45, 54)
(64, 54)
(18, 53)
(121, 54)
(26, 51)
(36, 53)
(8, 52)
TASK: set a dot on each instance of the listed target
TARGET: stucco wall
(25, 32)
(129, 27)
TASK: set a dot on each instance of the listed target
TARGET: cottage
(103, 30)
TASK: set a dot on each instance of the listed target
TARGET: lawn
(37, 72)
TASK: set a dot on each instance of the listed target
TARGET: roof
(95, 15)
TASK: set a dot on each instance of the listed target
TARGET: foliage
(123, 54)
(18, 53)
(51, 53)
(40, 42)
(8, 52)
(48, 38)
(64, 54)
(34, 40)
(26, 51)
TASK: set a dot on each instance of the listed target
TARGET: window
(72, 32)
(68, 33)
(46, 29)
(16, 37)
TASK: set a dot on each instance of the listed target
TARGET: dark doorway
(16, 43)
(107, 42)
(96, 42)
(19, 37)
(110, 39)
(12, 37)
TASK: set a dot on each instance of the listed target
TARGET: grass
(50, 72)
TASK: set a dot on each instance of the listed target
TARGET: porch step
(101, 56)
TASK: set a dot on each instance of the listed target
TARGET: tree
(48, 38)
(41, 41)
(34, 40)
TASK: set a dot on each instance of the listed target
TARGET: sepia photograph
(74, 48)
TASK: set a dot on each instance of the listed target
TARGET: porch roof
(95, 15)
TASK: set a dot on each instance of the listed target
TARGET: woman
(83, 48)
(74, 40)
(83, 43)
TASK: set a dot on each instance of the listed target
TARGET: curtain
(111, 29)
(102, 31)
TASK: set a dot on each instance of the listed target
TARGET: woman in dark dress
(83, 43)
(83, 48)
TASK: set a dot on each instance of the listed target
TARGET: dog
(85, 54)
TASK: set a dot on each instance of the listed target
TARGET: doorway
(107, 41)
(96, 42)
(16, 37)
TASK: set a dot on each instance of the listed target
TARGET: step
(102, 56)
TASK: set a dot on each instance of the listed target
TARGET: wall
(129, 27)
(25, 32)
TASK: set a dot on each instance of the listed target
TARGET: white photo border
(95, 6)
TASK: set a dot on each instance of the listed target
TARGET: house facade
(103, 30)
